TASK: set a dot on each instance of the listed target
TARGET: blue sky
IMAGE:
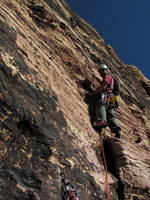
(124, 24)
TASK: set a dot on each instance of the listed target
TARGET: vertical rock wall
(46, 53)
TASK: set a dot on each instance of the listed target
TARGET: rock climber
(104, 110)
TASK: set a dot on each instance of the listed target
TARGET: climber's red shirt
(108, 79)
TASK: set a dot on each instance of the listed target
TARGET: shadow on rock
(31, 122)
(91, 101)
(8, 45)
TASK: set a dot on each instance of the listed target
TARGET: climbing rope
(106, 168)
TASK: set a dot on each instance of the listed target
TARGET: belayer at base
(68, 191)
(104, 110)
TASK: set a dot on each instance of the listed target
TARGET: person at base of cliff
(104, 111)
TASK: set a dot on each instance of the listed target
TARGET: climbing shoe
(100, 124)
(138, 140)
(117, 135)
(117, 132)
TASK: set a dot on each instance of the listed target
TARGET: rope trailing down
(107, 188)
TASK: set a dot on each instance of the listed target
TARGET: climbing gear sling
(114, 97)
(113, 100)
(68, 191)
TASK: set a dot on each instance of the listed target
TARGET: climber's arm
(103, 87)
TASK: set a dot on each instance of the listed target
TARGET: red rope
(106, 170)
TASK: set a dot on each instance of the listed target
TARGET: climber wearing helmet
(104, 113)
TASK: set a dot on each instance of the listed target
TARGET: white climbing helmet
(103, 66)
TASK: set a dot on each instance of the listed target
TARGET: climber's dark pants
(106, 113)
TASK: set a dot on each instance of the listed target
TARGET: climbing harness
(68, 191)
(106, 168)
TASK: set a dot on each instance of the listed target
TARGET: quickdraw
(68, 191)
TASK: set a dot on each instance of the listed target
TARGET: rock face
(47, 52)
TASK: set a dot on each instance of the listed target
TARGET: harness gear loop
(107, 188)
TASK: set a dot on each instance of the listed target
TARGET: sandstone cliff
(47, 52)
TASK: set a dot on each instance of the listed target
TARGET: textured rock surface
(47, 51)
